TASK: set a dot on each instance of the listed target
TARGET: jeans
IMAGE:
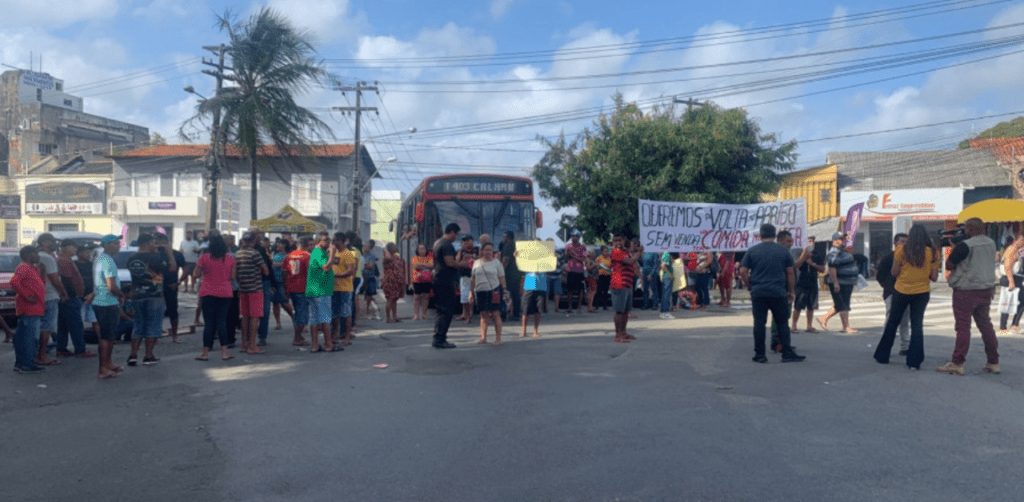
(900, 302)
(69, 323)
(904, 324)
(974, 303)
(779, 307)
(652, 291)
(666, 296)
(445, 302)
(215, 320)
(149, 317)
(26, 341)
(703, 285)
(265, 320)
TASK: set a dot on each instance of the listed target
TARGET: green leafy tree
(1008, 129)
(710, 154)
(270, 61)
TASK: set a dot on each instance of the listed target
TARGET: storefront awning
(288, 220)
(994, 211)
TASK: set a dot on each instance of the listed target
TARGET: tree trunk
(252, 185)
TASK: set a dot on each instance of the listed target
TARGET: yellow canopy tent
(994, 211)
(288, 220)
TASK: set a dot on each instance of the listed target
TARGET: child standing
(535, 286)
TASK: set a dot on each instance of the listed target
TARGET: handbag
(424, 276)
(861, 283)
(496, 296)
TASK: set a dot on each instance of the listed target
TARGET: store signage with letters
(919, 204)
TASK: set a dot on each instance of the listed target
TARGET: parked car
(124, 277)
(9, 261)
(79, 237)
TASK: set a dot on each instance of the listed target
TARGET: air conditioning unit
(116, 207)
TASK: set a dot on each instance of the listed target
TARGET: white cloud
(54, 13)
(161, 9)
(500, 7)
(327, 20)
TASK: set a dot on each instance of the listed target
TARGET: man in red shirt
(623, 272)
(69, 312)
(29, 305)
(295, 268)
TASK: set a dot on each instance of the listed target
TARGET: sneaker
(759, 359)
(993, 369)
(667, 316)
(150, 361)
(951, 368)
(261, 343)
(445, 345)
(133, 361)
(792, 357)
(29, 370)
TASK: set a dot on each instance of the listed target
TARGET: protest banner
(535, 256)
(684, 227)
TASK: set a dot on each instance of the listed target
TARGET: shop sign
(10, 207)
(919, 204)
(163, 205)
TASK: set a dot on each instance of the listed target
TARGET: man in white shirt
(190, 250)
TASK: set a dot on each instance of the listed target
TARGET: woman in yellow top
(915, 266)
(422, 277)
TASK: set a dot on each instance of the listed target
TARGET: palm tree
(269, 62)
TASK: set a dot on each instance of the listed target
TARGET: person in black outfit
(446, 281)
(507, 249)
(170, 285)
(768, 268)
(888, 282)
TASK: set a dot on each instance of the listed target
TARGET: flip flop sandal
(336, 349)
(51, 362)
(319, 349)
(107, 376)
(228, 358)
(200, 358)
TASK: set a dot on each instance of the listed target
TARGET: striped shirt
(247, 270)
(622, 273)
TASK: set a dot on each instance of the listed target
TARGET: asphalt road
(680, 414)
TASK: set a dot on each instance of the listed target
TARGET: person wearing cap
(466, 255)
(55, 293)
(69, 312)
(171, 284)
(841, 278)
(319, 289)
(249, 270)
(147, 268)
(106, 301)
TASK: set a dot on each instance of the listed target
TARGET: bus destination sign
(480, 186)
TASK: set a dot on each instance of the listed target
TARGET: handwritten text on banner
(695, 226)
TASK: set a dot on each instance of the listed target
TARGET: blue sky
(109, 48)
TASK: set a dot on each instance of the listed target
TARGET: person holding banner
(842, 277)
(768, 268)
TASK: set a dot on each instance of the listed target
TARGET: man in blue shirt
(650, 264)
(768, 268)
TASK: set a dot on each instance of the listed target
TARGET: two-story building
(168, 186)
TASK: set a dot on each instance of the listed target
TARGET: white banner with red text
(695, 226)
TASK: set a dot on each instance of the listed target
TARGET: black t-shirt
(85, 268)
(147, 271)
(170, 279)
(808, 275)
(443, 274)
(767, 263)
(508, 252)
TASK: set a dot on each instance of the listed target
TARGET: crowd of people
(66, 291)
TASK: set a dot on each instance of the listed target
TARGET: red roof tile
(230, 151)
(1007, 150)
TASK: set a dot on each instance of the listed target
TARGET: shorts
(301, 307)
(806, 298)
(574, 281)
(555, 285)
(108, 319)
(148, 320)
(189, 268)
(841, 300)
(88, 313)
(369, 286)
(622, 300)
(49, 320)
(341, 304)
(279, 297)
(533, 302)
(421, 288)
(319, 309)
(171, 301)
(465, 285)
(484, 303)
(250, 303)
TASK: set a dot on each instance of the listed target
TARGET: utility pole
(689, 102)
(213, 159)
(357, 110)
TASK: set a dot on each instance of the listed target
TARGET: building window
(10, 235)
(242, 181)
(62, 227)
(826, 195)
(306, 193)
(47, 149)
(69, 103)
(146, 186)
(39, 94)
(190, 185)
(59, 86)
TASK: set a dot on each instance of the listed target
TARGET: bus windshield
(477, 217)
